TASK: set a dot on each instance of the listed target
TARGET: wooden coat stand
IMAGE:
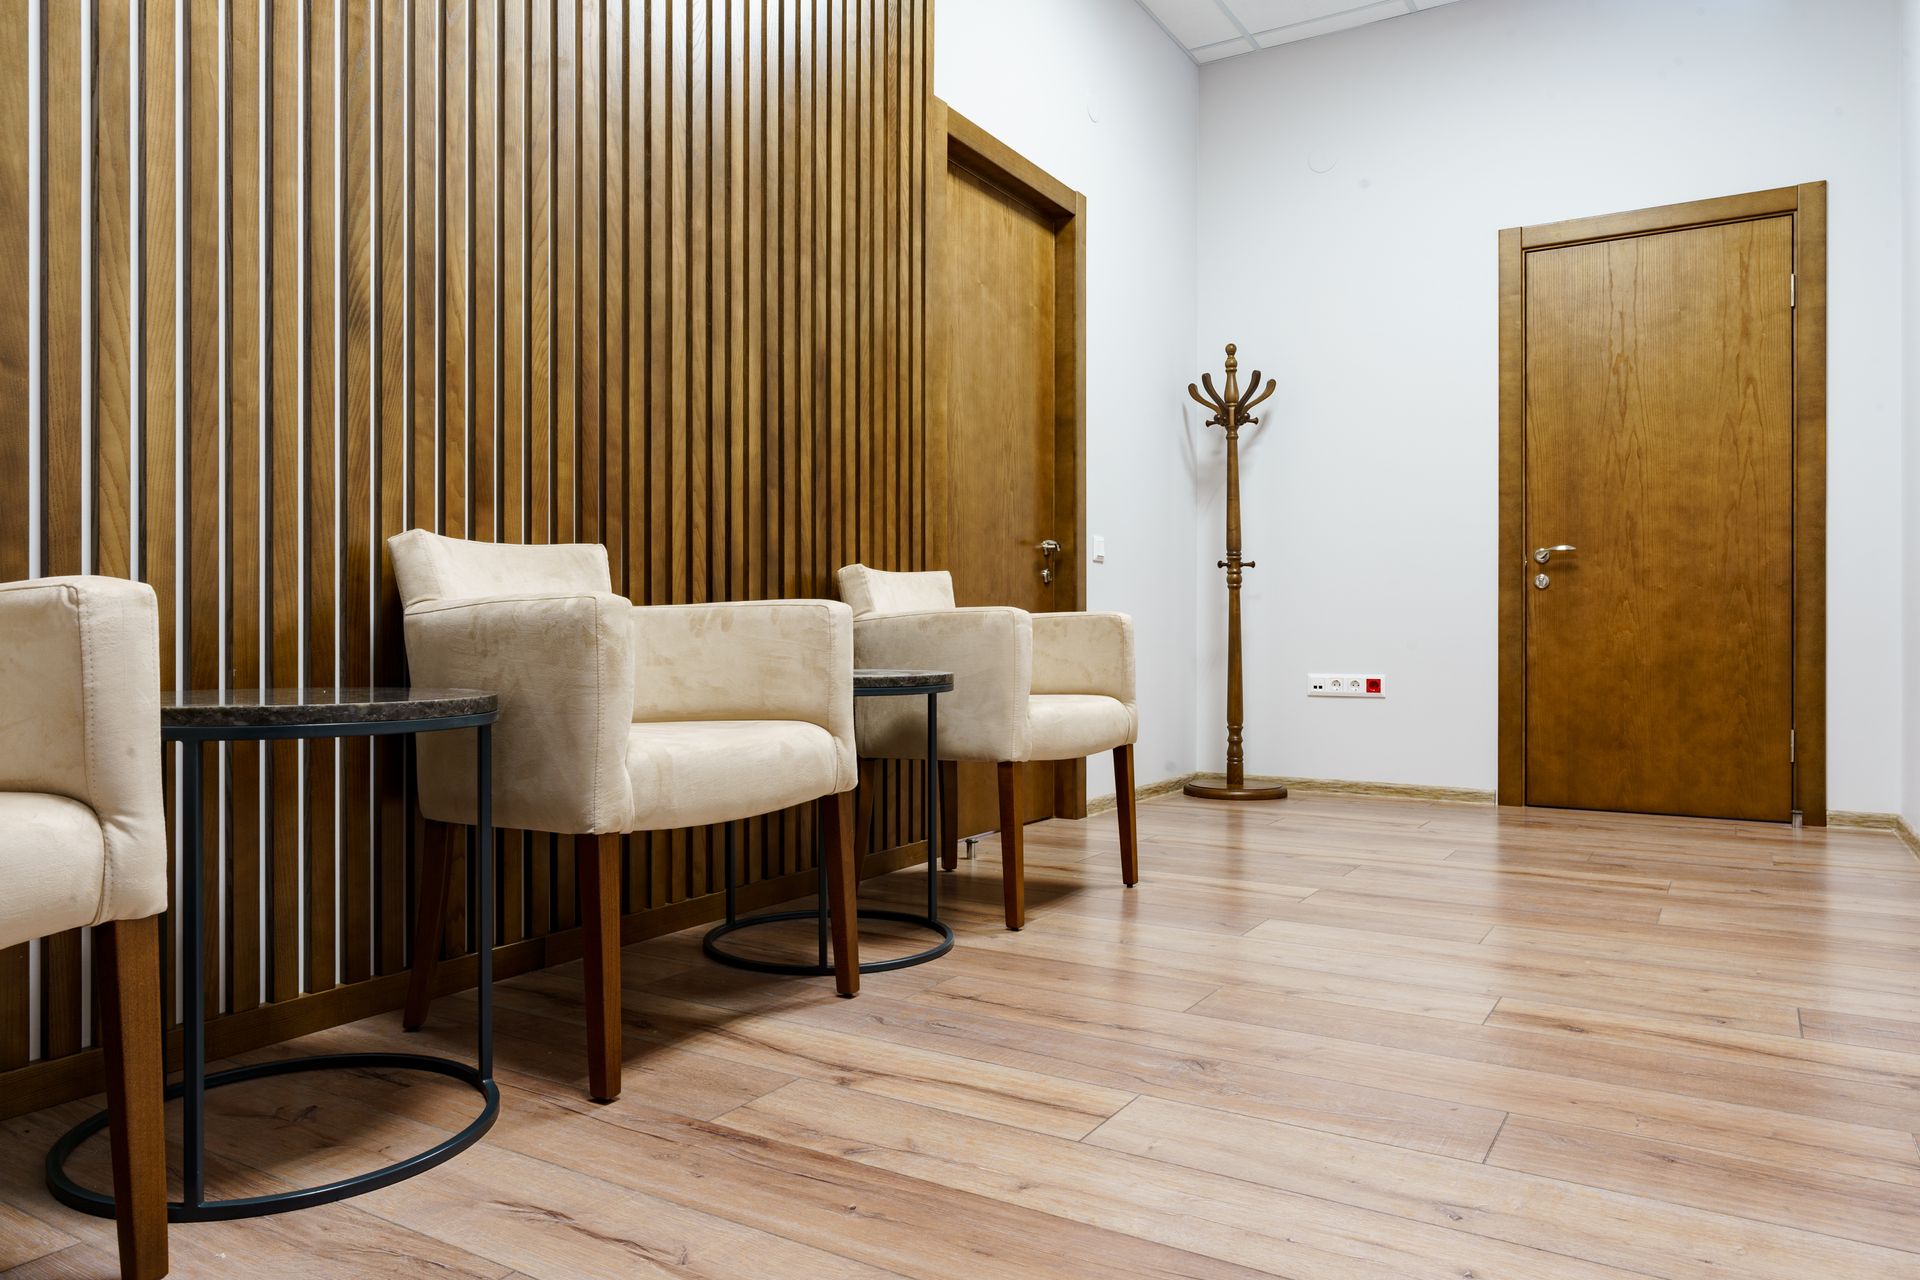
(1230, 411)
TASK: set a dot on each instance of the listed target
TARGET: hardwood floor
(1338, 1037)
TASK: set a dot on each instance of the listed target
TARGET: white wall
(1353, 186)
(1911, 805)
(1094, 92)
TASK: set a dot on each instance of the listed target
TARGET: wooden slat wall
(650, 274)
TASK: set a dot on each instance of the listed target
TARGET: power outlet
(1326, 685)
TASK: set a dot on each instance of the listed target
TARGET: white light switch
(1099, 548)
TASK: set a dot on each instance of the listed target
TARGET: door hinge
(1793, 747)
(1793, 289)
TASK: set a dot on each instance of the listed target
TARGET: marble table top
(261, 708)
(874, 679)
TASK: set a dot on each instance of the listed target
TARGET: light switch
(1099, 549)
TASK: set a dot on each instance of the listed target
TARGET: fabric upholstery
(51, 856)
(1083, 653)
(615, 718)
(429, 567)
(990, 652)
(1067, 726)
(688, 773)
(764, 661)
(79, 737)
(874, 592)
(563, 667)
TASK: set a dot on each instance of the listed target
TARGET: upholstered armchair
(1027, 686)
(617, 719)
(83, 841)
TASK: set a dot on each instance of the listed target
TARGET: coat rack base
(1214, 787)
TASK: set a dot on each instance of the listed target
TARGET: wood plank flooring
(1339, 1037)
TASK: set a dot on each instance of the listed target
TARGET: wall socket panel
(1328, 685)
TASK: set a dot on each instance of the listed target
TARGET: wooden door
(1660, 444)
(1000, 302)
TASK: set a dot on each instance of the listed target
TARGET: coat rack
(1230, 411)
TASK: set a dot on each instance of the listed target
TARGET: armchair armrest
(989, 649)
(755, 660)
(563, 667)
(1084, 653)
(80, 717)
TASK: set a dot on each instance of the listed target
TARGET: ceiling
(1213, 29)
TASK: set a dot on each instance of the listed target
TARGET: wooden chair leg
(1013, 852)
(1123, 803)
(126, 968)
(430, 917)
(597, 868)
(949, 815)
(843, 890)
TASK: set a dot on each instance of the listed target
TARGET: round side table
(867, 683)
(194, 718)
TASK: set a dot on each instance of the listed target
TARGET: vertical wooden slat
(540, 177)
(357, 545)
(391, 100)
(15, 428)
(244, 424)
(598, 284)
(112, 289)
(456, 347)
(284, 358)
(62, 135)
(323, 482)
(566, 319)
(201, 274)
(511, 334)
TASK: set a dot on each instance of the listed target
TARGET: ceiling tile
(1194, 22)
(1264, 15)
(1332, 22)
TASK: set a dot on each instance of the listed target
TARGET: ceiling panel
(1195, 23)
(1213, 29)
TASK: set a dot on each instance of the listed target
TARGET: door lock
(1540, 581)
(1049, 549)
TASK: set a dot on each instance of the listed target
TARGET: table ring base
(75, 1196)
(711, 944)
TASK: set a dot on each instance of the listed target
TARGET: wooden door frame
(1807, 204)
(958, 142)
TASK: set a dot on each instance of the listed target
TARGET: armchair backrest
(428, 567)
(873, 593)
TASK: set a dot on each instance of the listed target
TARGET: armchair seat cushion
(688, 773)
(56, 861)
(1067, 726)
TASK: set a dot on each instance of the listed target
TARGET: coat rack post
(1230, 412)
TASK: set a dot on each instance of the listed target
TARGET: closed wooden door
(1000, 322)
(1659, 448)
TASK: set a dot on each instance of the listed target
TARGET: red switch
(1373, 684)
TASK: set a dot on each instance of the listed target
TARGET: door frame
(1807, 204)
(958, 142)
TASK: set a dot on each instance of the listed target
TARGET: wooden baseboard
(1394, 790)
(52, 1081)
(1877, 822)
(1166, 786)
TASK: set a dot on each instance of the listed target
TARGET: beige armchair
(1027, 686)
(83, 841)
(617, 719)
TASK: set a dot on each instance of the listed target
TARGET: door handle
(1049, 549)
(1543, 554)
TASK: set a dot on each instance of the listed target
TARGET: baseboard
(1394, 790)
(1330, 786)
(1166, 786)
(1877, 822)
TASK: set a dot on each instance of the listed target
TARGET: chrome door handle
(1049, 549)
(1543, 554)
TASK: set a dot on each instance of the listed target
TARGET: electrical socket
(1328, 685)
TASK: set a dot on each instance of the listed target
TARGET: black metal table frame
(195, 1207)
(710, 944)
